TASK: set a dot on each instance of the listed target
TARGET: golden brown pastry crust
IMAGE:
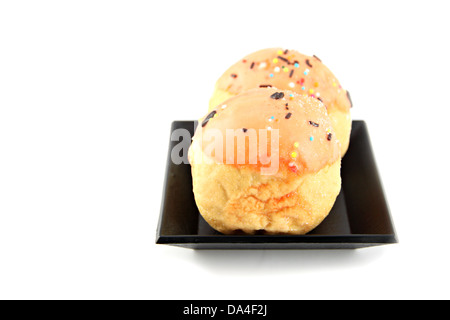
(233, 199)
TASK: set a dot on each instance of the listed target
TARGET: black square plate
(360, 217)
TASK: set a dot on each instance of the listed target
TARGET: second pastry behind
(289, 70)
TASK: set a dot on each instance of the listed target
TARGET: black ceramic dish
(360, 217)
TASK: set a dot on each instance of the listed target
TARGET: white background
(88, 90)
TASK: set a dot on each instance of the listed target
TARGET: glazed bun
(289, 70)
(266, 160)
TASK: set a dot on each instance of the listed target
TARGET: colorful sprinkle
(271, 118)
(296, 65)
(291, 84)
(311, 91)
(296, 144)
(275, 60)
(294, 154)
(271, 75)
(276, 69)
(262, 65)
(306, 72)
(316, 84)
(311, 138)
(293, 167)
(291, 96)
(280, 52)
(224, 106)
(303, 88)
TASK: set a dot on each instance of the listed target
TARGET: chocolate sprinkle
(265, 86)
(318, 98)
(233, 75)
(313, 124)
(308, 63)
(208, 117)
(329, 137)
(349, 99)
(284, 59)
(277, 95)
(286, 51)
(244, 129)
(317, 58)
(252, 65)
(288, 115)
(291, 73)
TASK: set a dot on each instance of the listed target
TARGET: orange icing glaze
(306, 138)
(277, 67)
